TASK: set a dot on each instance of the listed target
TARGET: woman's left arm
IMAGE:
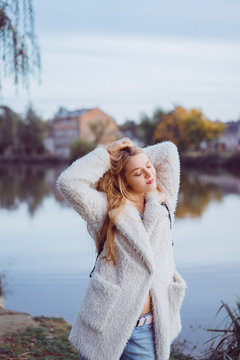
(165, 158)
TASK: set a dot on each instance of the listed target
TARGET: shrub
(81, 147)
(226, 344)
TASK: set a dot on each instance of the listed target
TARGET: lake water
(47, 254)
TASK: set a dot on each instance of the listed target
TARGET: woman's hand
(119, 144)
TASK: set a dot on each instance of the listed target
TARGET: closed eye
(141, 171)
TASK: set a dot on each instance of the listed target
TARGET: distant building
(67, 126)
(230, 140)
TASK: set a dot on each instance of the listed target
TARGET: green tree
(31, 134)
(60, 111)
(81, 147)
(129, 128)
(19, 52)
(147, 125)
(9, 127)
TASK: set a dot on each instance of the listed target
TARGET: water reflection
(23, 184)
(31, 184)
(196, 193)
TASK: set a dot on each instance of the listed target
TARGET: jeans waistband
(149, 313)
(145, 319)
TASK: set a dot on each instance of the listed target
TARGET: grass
(47, 341)
(225, 345)
(178, 355)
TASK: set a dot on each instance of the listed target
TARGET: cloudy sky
(129, 57)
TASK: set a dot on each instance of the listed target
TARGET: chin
(151, 188)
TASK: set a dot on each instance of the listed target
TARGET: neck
(139, 203)
(139, 200)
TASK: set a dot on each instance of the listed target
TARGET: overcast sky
(132, 56)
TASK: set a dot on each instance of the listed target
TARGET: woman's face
(138, 172)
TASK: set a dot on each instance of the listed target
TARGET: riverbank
(37, 159)
(212, 161)
(34, 337)
(191, 160)
(39, 337)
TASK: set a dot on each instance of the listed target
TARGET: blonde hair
(113, 183)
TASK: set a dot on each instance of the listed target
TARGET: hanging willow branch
(19, 52)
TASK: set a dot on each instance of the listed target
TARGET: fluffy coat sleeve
(165, 158)
(78, 182)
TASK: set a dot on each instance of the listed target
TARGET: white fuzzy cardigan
(116, 295)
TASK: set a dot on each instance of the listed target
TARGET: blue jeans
(140, 345)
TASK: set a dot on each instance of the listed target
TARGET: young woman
(128, 196)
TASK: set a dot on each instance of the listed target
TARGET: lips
(150, 182)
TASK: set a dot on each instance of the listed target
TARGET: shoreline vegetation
(46, 338)
(29, 337)
(212, 161)
(191, 160)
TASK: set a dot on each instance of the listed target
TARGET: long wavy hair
(113, 183)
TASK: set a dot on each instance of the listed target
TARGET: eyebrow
(138, 167)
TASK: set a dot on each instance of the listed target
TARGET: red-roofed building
(70, 125)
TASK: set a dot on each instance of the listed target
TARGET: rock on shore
(11, 321)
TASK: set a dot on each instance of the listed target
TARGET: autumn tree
(187, 128)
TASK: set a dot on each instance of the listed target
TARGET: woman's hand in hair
(119, 144)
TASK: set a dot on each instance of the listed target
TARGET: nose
(148, 173)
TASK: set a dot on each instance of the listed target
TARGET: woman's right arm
(77, 184)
